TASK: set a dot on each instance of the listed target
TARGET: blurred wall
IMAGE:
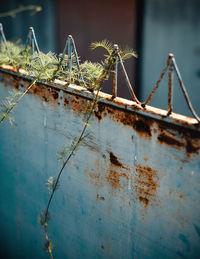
(171, 26)
(43, 22)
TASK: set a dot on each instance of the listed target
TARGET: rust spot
(145, 184)
(169, 139)
(144, 200)
(142, 126)
(16, 83)
(114, 160)
(98, 197)
(114, 178)
(99, 111)
(55, 95)
(146, 159)
(181, 196)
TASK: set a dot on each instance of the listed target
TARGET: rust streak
(191, 148)
(169, 139)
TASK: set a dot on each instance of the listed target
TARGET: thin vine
(53, 183)
(47, 67)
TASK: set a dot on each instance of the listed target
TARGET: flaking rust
(178, 134)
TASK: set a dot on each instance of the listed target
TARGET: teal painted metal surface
(132, 190)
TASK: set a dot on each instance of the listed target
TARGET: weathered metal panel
(131, 190)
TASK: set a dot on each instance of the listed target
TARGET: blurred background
(153, 28)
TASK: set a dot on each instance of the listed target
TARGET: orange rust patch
(77, 105)
(145, 184)
(45, 93)
(65, 101)
(114, 177)
(141, 125)
(146, 159)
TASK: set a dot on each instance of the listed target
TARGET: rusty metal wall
(132, 190)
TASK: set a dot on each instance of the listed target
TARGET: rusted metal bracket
(171, 66)
(70, 48)
(2, 35)
(118, 56)
(31, 41)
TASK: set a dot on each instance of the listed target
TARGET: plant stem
(11, 108)
(104, 74)
(47, 239)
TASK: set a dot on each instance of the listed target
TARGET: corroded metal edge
(107, 99)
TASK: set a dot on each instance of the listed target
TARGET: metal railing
(70, 50)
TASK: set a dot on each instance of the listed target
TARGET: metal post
(184, 90)
(69, 47)
(127, 79)
(2, 33)
(170, 85)
(31, 41)
(115, 73)
(76, 57)
(34, 40)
